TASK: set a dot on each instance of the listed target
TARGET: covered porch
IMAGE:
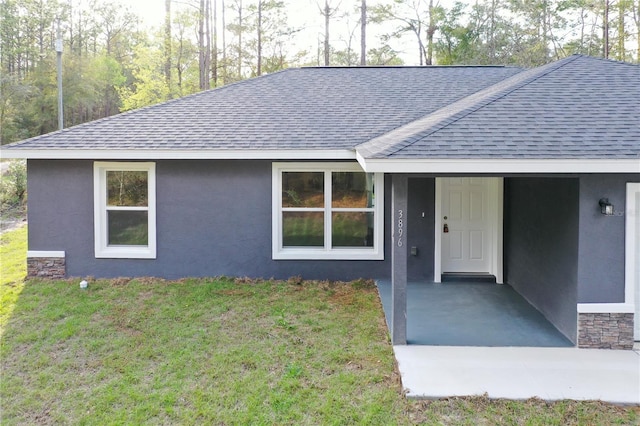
(559, 262)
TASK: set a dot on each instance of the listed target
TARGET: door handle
(446, 228)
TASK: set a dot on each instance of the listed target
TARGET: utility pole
(59, 54)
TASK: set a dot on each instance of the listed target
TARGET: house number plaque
(400, 226)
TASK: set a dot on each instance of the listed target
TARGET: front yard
(219, 351)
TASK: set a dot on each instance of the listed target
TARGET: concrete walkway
(520, 373)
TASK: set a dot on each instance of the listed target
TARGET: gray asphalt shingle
(305, 108)
(578, 107)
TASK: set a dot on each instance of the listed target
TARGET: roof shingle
(305, 108)
(578, 107)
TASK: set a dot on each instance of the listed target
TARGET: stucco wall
(602, 239)
(421, 229)
(213, 218)
(541, 245)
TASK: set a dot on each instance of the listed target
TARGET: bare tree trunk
(239, 39)
(605, 30)
(224, 45)
(207, 47)
(363, 33)
(492, 34)
(214, 48)
(167, 44)
(637, 18)
(621, 30)
(259, 70)
(431, 30)
(327, 16)
(201, 55)
(582, 24)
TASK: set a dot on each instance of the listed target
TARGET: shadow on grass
(13, 261)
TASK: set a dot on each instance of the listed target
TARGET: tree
(414, 17)
(363, 33)
(167, 43)
(327, 11)
(267, 20)
(636, 18)
(185, 53)
(237, 28)
(149, 86)
(204, 50)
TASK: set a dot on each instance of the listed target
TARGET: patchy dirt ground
(11, 219)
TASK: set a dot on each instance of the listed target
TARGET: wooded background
(111, 63)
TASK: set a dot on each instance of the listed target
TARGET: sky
(302, 14)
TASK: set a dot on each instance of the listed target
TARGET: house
(530, 176)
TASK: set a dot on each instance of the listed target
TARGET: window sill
(125, 253)
(321, 254)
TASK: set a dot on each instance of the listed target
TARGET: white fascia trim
(437, 253)
(605, 308)
(176, 154)
(44, 253)
(632, 238)
(499, 166)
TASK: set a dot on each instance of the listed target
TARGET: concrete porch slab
(471, 314)
(520, 373)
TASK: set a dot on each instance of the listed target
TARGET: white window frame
(102, 249)
(327, 252)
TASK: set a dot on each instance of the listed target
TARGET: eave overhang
(173, 154)
(498, 166)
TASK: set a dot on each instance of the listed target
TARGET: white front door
(633, 251)
(466, 225)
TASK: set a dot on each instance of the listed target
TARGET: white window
(125, 210)
(327, 211)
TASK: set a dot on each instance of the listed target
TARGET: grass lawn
(220, 351)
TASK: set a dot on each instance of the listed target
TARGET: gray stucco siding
(213, 218)
(421, 229)
(541, 245)
(60, 209)
(601, 262)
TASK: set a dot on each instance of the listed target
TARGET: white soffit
(499, 166)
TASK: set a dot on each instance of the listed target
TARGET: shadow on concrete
(471, 314)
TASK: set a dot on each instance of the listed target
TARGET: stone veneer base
(605, 330)
(46, 267)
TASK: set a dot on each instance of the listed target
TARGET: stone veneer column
(605, 330)
(46, 264)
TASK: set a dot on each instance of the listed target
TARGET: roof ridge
(322, 67)
(613, 61)
(459, 109)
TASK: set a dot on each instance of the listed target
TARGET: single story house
(530, 176)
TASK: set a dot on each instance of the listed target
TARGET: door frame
(496, 212)
(632, 241)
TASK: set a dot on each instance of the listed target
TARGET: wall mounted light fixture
(606, 208)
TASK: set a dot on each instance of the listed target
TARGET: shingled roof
(578, 107)
(295, 109)
(580, 112)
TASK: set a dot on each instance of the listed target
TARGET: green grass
(222, 351)
(13, 269)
